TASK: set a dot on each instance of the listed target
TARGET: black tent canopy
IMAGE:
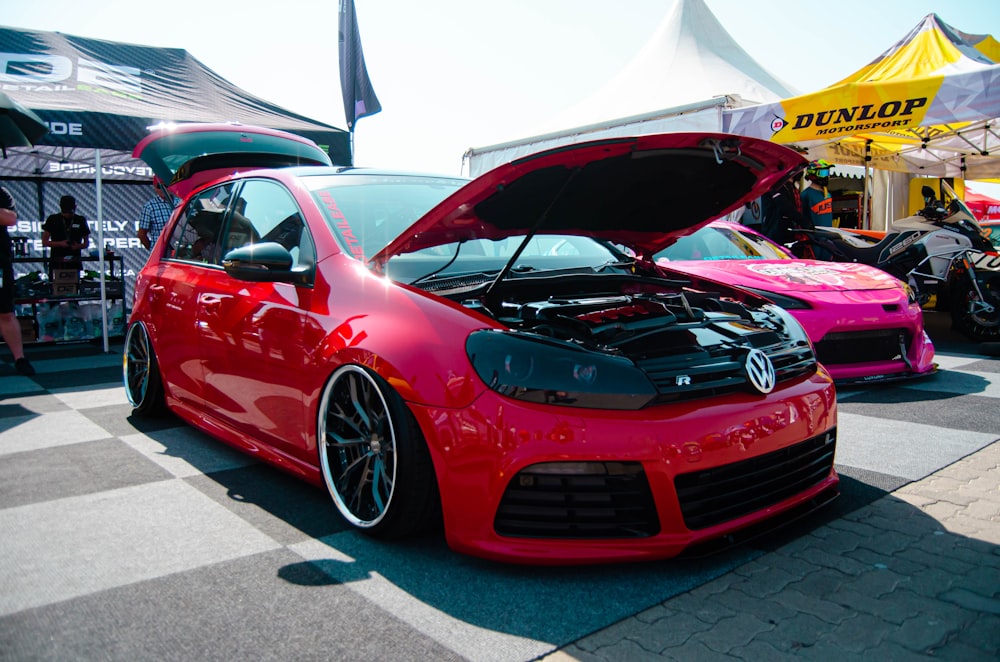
(98, 99)
(97, 94)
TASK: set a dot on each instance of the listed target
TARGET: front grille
(863, 346)
(721, 494)
(705, 372)
(578, 500)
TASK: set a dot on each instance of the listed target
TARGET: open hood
(188, 155)
(637, 192)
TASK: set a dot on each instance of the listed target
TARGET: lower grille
(578, 500)
(725, 493)
(863, 346)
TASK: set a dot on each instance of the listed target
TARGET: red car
(434, 350)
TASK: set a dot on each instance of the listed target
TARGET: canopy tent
(983, 206)
(689, 71)
(928, 106)
(98, 99)
(97, 94)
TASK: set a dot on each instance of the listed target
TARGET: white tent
(689, 71)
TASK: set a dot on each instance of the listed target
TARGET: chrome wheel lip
(135, 364)
(376, 444)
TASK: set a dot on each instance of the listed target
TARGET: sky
(456, 74)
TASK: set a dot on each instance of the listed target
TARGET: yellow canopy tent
(929, 106)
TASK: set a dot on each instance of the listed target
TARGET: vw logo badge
(760, 371)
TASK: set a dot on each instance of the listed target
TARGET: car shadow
(558, 605)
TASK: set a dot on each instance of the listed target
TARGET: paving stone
(693, 651)
(841, 541)
(895, 564)
(914, 498)
(821, 584)
(976, 552)
(984, 581)
(983, 634)
(737, 630)
(706, 610)
(893, 610)
(838, 562)
(765, 609)
(890, 542)
(825, 610)
(626, 651)
(859, 633)
(654, 614)
(792, 565)
(957, 651)
(851, 524)
(943, 563)
(885, 523)
(922, 633)
(800, 632)
(767, 582)
(758, 650)
(970, 600)
(675, 631)
(975, 528)
(931, 582)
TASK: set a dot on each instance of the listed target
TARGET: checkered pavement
(126, 539)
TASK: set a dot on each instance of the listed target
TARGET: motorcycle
(940, 252)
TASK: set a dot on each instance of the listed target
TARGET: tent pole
(100, 249)
(866, 224)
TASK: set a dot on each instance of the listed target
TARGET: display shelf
(73, 317)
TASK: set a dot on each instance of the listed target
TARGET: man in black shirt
(66, 234)
(10, 328)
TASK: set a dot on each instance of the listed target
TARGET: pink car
(865, 324)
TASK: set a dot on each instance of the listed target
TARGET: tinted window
(195, 237)
(264, 211)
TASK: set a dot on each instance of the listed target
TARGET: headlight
(543, 370)
(911, 295)
(791, 303)
(793, 328)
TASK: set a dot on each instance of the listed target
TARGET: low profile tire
(143, 385)
(970, 315)
(374, 460)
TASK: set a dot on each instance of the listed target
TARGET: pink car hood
(790, 276)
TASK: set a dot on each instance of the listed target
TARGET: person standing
(155, 214)
(10, 328)
(67, 235)
(817, 205)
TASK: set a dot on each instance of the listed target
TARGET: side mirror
(267, 262)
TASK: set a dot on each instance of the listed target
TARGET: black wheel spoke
(358, 455)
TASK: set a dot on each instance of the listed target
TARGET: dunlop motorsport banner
(925, 105)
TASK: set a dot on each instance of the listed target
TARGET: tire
(141, 374)
(968, 314)
(374, 460)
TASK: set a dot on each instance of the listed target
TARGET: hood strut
(488, 294)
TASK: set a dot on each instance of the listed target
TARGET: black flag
(359, 97)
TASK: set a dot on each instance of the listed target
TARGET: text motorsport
(890, 115)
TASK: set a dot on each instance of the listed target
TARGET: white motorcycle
(939, 251)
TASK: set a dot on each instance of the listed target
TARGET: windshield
(718, 242)
(544, 252)
(367, 211)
